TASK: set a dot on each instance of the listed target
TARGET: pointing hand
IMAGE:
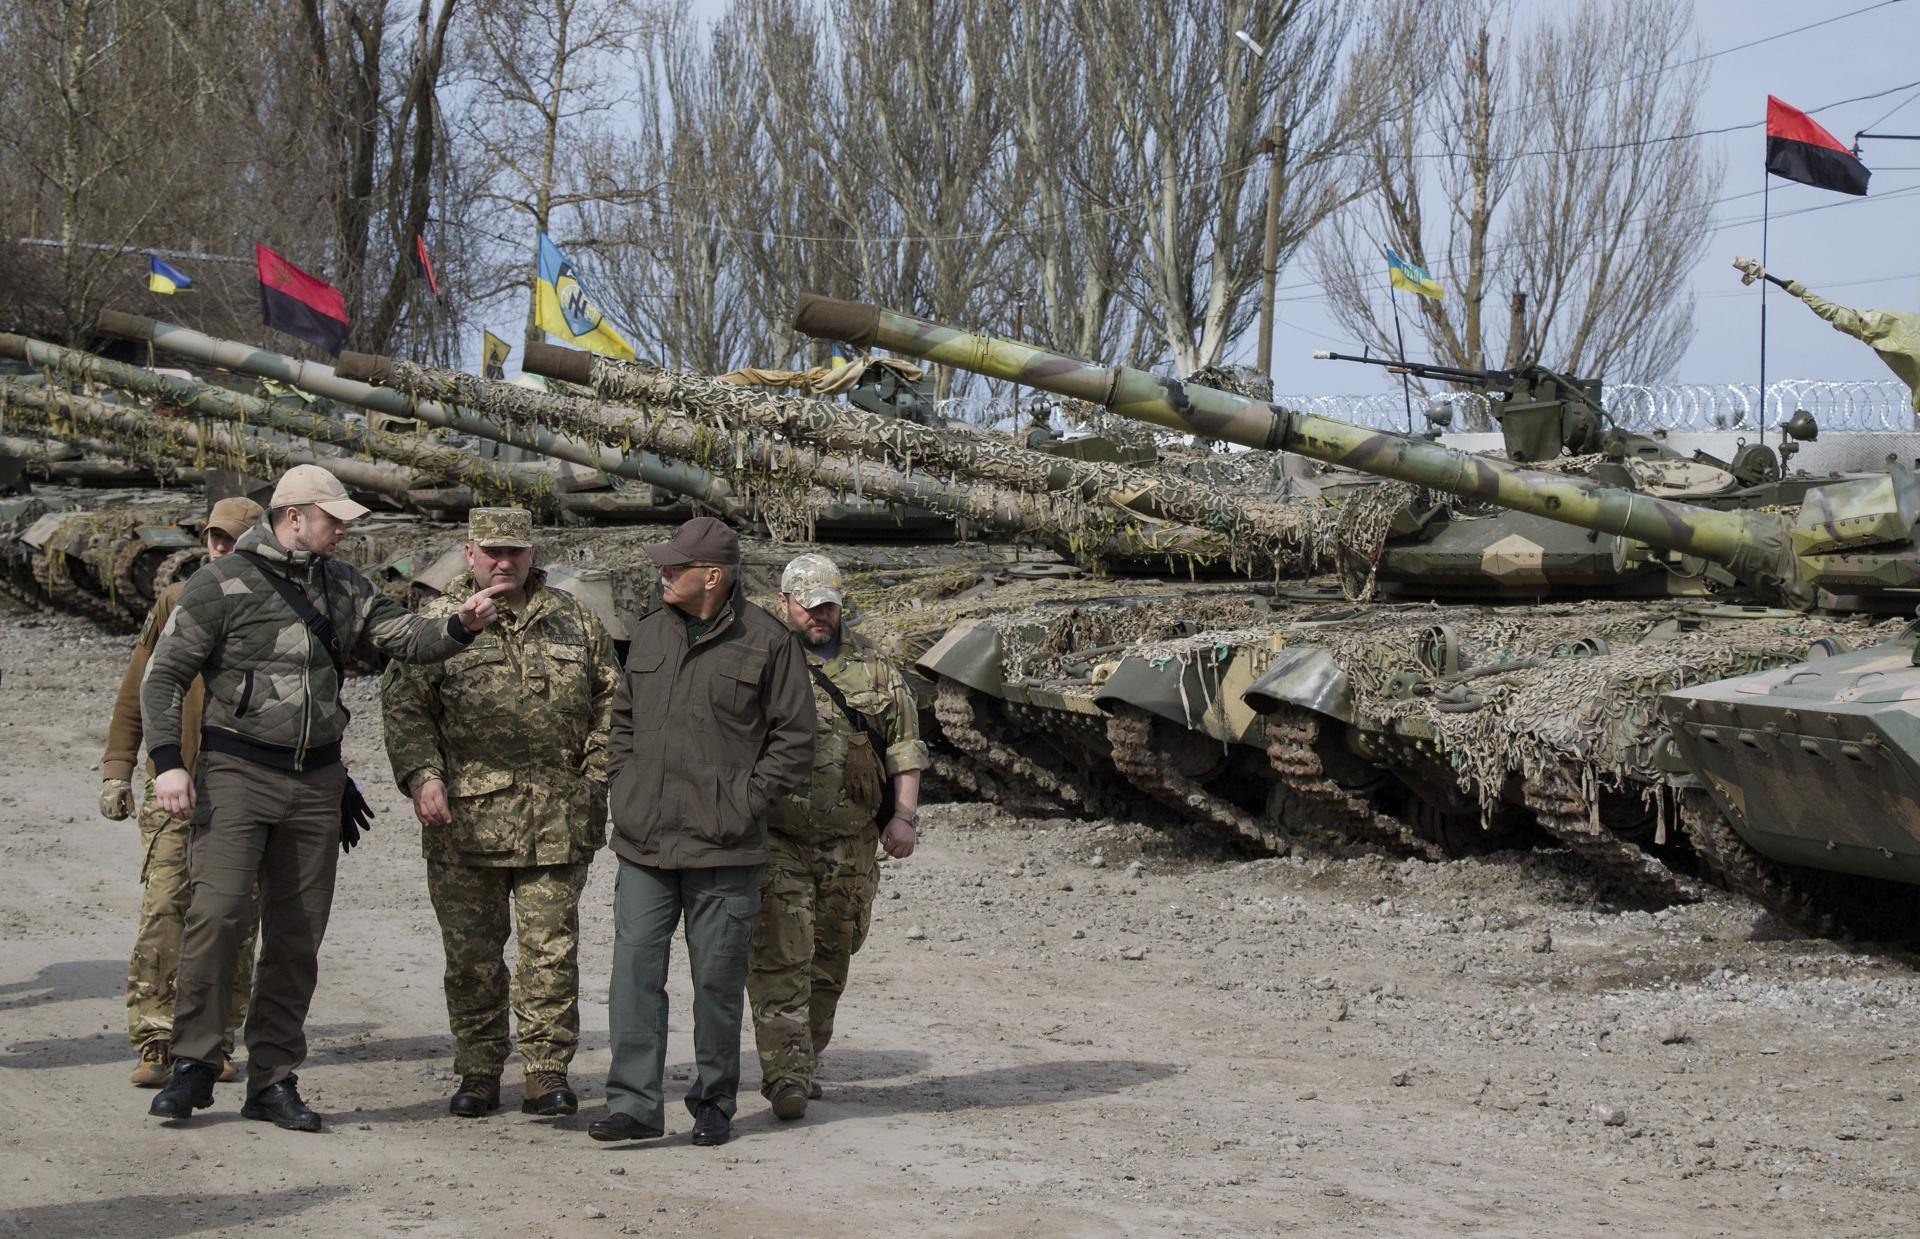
(478, 611)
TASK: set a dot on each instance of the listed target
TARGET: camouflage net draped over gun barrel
(792, 482)
(506, 483)
(1282, 538)
(162, 441)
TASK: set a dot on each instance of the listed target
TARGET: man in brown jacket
(712, 722)
(163, 837)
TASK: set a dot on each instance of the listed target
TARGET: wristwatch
(911, 819)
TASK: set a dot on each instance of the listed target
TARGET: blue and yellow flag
(1403, 274)
(561, 306)
(163, 278)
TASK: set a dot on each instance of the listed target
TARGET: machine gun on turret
(1542, 413)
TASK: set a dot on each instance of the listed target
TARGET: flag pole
(1400, 341)
(1766, 197)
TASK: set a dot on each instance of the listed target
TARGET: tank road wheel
(177, 567)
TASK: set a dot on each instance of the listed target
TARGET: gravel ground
(1057, 1028)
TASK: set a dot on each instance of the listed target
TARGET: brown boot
(548, 1093)
(155, 1067)
(476, 1097)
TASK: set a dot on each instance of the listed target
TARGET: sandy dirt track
(1058, 1028)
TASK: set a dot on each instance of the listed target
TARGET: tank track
(1821, 904)
(1130, 731)
(1563, 811)
(169, 570)
(1330, 810)
(126, 594)
(953, 707)
(60, 593)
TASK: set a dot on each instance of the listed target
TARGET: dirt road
(1059, 1028)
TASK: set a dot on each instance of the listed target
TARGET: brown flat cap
(233, 516)
(702, 540)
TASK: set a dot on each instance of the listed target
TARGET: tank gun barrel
(687, 480)
(1752, 546)
(1264, 533)
(512, 482)
(752, 459)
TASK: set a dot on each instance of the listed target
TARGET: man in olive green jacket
(712, 723)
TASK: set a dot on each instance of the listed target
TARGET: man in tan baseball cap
(163, 837)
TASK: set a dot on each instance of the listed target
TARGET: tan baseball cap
(312, 484)
(702, 540)
(500, 527)
(233, 516)
(811, 580)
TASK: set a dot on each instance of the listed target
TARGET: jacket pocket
(729, 821)
(647, 690)
(736, 692)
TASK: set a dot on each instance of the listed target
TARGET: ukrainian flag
(1403, 274)
(163, 278)
(561, 306)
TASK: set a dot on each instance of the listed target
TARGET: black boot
(280, 1105)
(477, 1096)
(190, 1088)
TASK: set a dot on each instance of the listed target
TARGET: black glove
(356, 815)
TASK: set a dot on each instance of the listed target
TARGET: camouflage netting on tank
(1592, 711)
(1060, 635)
(1361, 532)
(182, 431)
(1261, 535)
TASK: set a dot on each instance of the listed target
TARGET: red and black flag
(1800, 150)
(300, 305)
(423, 267)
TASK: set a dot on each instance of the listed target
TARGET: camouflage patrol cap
(500, 527)
(812, 580)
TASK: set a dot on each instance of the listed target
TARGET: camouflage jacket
(516, 725)
(876, 689)
(271, 693)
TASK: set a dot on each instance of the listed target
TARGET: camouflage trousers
(816, 904)
(155, 963)
(472, 902)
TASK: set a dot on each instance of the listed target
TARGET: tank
(1600, 738)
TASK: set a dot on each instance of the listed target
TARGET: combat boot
(477, 1097)
(280, 1104)
(189, 1089)
(548, 1093)
(155, 1066)
(789, 1101)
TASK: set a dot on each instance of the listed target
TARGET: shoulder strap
(839, 698)
(319, 625)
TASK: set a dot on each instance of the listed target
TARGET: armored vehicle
(1605, 739)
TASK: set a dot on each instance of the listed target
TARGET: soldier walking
(269, 628)
(163, 838)
(503, 749)
(816, 901)
(712, 723)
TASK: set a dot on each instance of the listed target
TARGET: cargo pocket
(479, 825)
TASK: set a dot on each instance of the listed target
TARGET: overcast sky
(1864, 252)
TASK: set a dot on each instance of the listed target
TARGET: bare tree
(1189, 107)
(545, 80)
(1520, 169)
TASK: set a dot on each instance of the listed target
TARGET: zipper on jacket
(306, 695)
(246, 694)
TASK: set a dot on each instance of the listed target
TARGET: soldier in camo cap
(503, 749)
(816, 900)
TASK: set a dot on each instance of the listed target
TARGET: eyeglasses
(671, 571)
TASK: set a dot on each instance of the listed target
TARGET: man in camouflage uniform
(816, 900)
(163, 838)
(269, 629)
(504, 750)
(1893, 334)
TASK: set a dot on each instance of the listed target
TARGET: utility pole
(1274, 147)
